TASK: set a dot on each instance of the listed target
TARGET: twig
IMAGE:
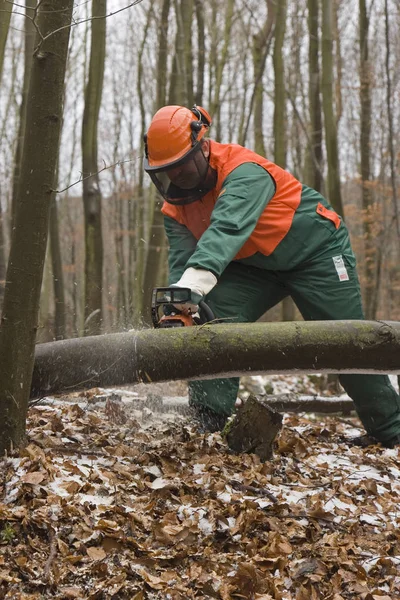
(117, 164)
(52, 554)
(111, 14)
(237, 485)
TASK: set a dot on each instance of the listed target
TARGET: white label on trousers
(340, 268)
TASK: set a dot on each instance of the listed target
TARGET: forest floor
(114, 499)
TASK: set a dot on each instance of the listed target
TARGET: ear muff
(196, 127)
(204, 120)
(202, 115)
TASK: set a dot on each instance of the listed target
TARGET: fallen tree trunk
(210, 351)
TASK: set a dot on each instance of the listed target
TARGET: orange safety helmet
(172, 134)
(173, 142)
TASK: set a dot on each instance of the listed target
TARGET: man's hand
(200, 282)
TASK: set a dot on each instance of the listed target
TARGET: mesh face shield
(186, 180)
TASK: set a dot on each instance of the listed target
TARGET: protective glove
(200, 282)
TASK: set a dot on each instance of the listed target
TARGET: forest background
(311, 84)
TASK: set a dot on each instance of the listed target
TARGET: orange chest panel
(275, 221)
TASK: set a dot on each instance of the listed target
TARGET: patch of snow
(225, 497)
(336, 503)
(198, 468)
(371, 562)
(370, 519)
(205, 526)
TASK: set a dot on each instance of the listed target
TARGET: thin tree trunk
(186, 9)
(201, 51)
(393, 177)
(3, 266)
(29, 238)
(260, 50)
(57, 270)
(155, 255)
(162, 57)
(280, 133)
(334, 188)
(91, 183)
(177, 86)
(29, 37)
(150, 355)
(365, 152)
(389, 105)
(5, 18)
(314, 178)
(220, 65)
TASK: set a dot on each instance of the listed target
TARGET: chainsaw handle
(206, 314)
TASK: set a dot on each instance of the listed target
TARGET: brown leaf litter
(102, 506)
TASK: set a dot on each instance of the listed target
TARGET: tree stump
(254, 428)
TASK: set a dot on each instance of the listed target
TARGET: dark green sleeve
(245, 194)
(182, 244)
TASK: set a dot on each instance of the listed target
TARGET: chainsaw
(164, 313)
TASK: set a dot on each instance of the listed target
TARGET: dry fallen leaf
(96, 553)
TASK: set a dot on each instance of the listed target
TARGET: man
(245, 234)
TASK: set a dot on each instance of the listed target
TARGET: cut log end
(254, 428)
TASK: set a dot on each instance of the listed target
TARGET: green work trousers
(244, 293)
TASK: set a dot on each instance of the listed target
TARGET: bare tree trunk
(280, 133)
(157, 239)
(5, 18)
(91, 183)
(314, 178)
(150, 355)
(201, 51)
(389, 100)
(393, 177)
(139, 250)
(162, 57)
(2, 258)
(334, 189)
(29, 38)
(365, 151)
(220, 65)
(186, 11)
(57, 270)
(156, 255)
(29, 239)
(260, 50)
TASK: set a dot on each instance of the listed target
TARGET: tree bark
(260, 48)
(201, 51)
(162, 57)
(365, 151)
(57, 269)
(5, 18)
(215, 108)
(211, 351)
(334, 186)
(280, 133)
(29, 240)
(91, 183)
(314, 179)
(29, 38)
(3, 266)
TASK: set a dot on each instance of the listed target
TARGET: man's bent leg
(322, 292)
(243, 294)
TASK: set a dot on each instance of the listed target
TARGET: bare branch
(117, 164)
(44, 38)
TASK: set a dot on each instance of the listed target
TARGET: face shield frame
(173, 194)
